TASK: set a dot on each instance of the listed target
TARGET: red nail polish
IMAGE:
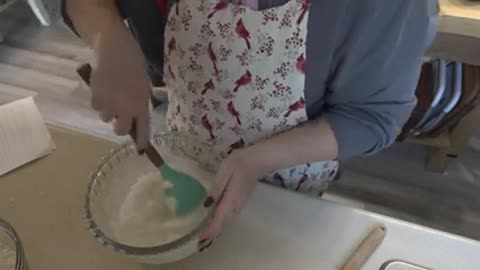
(206, 247)
(209, 202)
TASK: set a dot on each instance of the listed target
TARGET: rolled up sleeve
(372, 89)
(365, 126)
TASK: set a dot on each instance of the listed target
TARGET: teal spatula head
(187, 191)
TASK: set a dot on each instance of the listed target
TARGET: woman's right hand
(119, 84)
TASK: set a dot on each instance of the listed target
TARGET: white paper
(23, 135)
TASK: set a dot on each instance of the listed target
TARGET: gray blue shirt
(364, 62)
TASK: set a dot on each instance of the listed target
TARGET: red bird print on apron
(239, 76)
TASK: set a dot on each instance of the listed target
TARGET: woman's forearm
(94, 18)
(311, 142)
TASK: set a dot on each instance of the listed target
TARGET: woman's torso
(363, 62)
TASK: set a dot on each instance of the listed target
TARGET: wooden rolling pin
(361, 254)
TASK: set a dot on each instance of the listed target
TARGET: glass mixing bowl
(108, 187)
(12, 255)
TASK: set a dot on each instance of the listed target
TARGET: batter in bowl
(147, 215)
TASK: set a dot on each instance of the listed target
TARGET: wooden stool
(450, 144)
(439, 158)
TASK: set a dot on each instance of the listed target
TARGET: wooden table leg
(440, 158)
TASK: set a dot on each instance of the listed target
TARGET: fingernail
(209, 202)
(206, 247)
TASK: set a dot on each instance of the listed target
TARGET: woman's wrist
(311, 142)
(92, 19)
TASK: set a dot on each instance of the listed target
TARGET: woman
(282, 89)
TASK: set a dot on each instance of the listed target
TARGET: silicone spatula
(187, 191)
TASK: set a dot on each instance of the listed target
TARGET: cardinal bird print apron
(236, 76)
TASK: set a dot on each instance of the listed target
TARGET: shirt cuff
(359, 133)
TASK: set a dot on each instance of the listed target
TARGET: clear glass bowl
(11, 246)
(109, 184)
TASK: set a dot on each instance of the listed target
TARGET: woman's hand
(236, 178)
(238, 174)
(119, 84)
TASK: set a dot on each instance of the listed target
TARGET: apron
(236, 76)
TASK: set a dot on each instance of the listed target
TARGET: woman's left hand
(237, 176)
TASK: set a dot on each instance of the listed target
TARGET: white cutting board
(23, 135)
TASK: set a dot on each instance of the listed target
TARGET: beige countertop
(461, 9)
(43, 201)
(278, 230)
(459, 31)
